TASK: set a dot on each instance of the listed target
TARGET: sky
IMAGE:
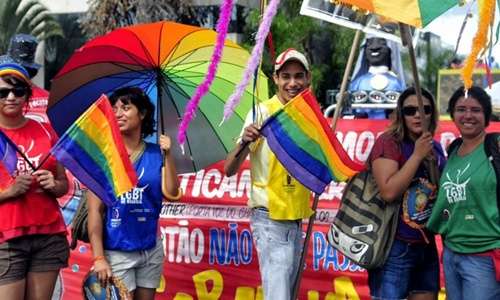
(448, 27)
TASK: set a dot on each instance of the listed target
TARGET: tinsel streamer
(254, 59)
(222, 28)
(480, 41)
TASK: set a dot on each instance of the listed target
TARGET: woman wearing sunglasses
(401, 165)
(466, 212)
(33, 245)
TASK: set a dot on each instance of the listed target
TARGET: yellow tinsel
(480, 41)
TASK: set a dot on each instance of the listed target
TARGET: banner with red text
(209, 252)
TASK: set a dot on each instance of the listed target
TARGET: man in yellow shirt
(278, 201)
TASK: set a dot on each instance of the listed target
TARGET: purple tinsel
(202, 89)
(254, 60)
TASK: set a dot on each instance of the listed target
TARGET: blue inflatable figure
(374, 80)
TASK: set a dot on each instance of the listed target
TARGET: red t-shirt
(35, 212)
(386, 146)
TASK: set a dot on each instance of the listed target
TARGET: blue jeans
(279, 245)
(409, 268)
(469, 277)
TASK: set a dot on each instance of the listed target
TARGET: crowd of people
(124, 237)
(404, 157)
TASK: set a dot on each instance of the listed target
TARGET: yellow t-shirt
(272, 186)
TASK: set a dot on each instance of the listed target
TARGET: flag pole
(345, 79)
(338, 110)
(303, 256)
(407, 41)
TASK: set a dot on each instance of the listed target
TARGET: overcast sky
(448, 27)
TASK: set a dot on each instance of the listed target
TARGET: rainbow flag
(304, 143)
(417, 13)
(8, 156)
(8, 160)
(93, 150)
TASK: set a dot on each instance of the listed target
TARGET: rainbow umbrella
(168, 60)
(417, 13)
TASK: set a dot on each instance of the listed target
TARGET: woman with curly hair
(124, 237)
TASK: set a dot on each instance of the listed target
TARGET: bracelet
(99, 257)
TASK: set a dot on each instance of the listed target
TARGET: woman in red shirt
(33, 245)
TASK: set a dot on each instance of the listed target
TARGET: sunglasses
(412, 110)
(18, 91)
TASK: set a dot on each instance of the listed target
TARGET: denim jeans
(409, 268)
(469, 277)
(279, 245)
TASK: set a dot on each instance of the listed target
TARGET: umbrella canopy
(417, 13)
(168, 60)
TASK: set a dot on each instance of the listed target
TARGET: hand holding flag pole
(302, 141)
(336, 115)
(407, 41)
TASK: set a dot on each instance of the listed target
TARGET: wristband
(99, 257)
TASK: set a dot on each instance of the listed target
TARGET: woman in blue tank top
(124, 237)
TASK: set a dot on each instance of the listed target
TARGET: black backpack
(492, 150)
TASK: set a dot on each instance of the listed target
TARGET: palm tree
(106, 15)
(26, 16)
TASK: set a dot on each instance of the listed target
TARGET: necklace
(137, 152)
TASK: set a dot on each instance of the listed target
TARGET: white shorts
(139, 268)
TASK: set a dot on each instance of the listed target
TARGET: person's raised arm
(237, 156)
(95, 231)
(392, 181)
(170, 181)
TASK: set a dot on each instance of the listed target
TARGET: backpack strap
(454, 145)
(491, 147)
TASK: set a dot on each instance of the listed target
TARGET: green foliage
(29, 17)
(430, 59)
(104, 16)
(326, 45)
(435, 62)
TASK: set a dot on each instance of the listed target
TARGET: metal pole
(343, 85)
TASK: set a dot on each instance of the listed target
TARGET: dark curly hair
(137, 97)
(474, 92)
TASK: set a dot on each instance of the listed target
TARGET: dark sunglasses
(412, 110)
(18, 91)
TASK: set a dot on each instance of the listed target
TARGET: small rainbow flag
(8, 156)
(93, 150)
(301, 139)
(8, 160)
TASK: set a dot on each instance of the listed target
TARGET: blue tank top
(131, 224)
